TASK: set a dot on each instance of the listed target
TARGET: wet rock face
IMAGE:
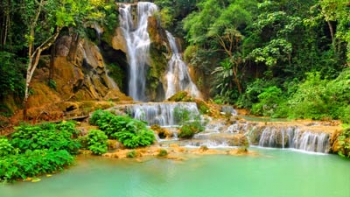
(63, 46)
(82, 78)
(159, 54)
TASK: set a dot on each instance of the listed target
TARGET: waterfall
(162, 114)
(178, 77)
(294, 138)
(138, 42)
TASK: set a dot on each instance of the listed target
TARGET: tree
(51, 15)
(225, 29)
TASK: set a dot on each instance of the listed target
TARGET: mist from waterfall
(178, 77)
(138, 42)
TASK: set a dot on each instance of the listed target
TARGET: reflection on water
(276, 173)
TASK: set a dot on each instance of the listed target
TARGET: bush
(189, 129)
(269, 101)
(318, 98)
(46, 136)
(162, 153)
(309, 101)
(131, 154)
(130, 132)
(136, 138)
(191, 123)
(33, 163)
(344, 143)
(250, 96)
(5, 147)
(97, 142)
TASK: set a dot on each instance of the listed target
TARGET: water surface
(276, 173)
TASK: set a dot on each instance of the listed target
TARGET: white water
(162, 114)
(178, 77)
(138, 42)
(297, 139)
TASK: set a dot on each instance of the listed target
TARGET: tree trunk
(52, 62)
(72, 54)
(331, 31)
(33, 63)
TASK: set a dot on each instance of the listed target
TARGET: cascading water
(162, 114)
(138, 42)
(178, 78)
(294, 138)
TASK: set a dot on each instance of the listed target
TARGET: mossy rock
(161, 132)
(181, 96)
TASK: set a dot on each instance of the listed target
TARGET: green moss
(157, 67)
(162, 153)
(117, 74)
(180, 96)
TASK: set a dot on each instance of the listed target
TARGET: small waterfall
(294, 138)
(98, 30)
(178, 77)
(158, 113)
(138, 42)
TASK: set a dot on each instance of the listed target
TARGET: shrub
(5, 147)
(188, 130)
(269, 100)
(33, 163)
(250, 96)
(309, 100)
(191, 123)
(318, 98)
(97, 142)
(130, 132)
(131, 154)
(136, 138)
(344, 143)
(182, 115)
(45, 136)
(162, 153)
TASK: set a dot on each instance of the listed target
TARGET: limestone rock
(118, 41)
(63, 45)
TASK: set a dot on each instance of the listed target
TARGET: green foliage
(11, 81)
(34, 150)
(131, 154)
(130, 132)
(162, 153)
(46, 136)
(223, 82)
(310, 100)
(243, 144)
(33, 163)
(136, 138)
(252, 91)
(97, 142)
(191, 123)
(344, 143)
(117, 74)
(182, 115)
(6, 148)
(52, 84)
(269, 100)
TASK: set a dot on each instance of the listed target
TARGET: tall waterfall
(178, 78)
(138, 42)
